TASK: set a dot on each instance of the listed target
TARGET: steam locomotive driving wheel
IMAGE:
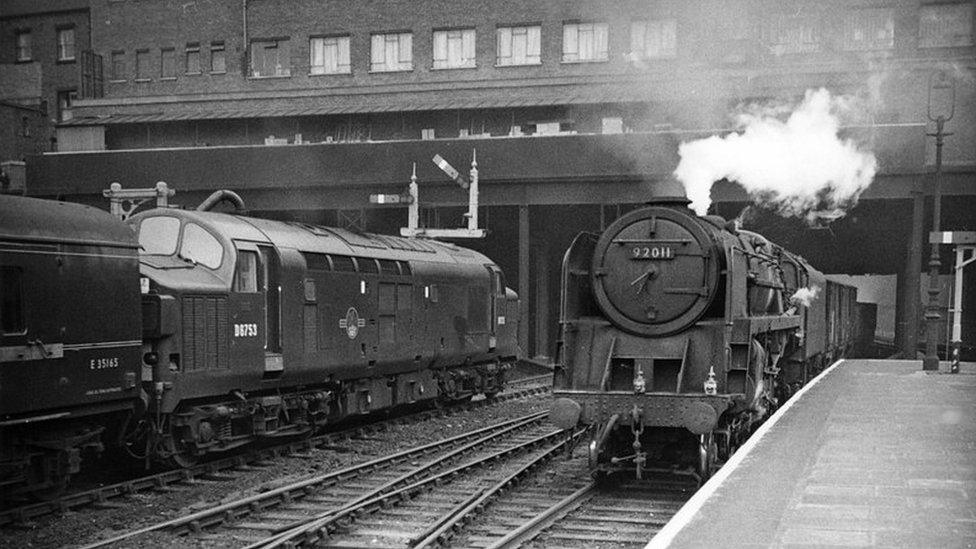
(655, 271)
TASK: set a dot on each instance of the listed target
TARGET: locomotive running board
(743, 329)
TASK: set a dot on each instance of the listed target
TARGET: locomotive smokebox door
(655, 271)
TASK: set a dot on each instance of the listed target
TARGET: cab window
(246, 275)
(159, 235)
(201, 246)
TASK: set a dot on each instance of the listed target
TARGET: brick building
(43, 46)
(576, 108)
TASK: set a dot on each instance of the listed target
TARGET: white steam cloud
(798, 167)
(805, 296)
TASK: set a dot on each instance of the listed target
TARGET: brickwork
(879, 454)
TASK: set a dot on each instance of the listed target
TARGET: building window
(653, 39)
(142, 65)
(788, 33)
(585, 42)
(518, 46)
(329, 55)
(12, 319)
(454, 49)
(66, 44)
(25, 127)
(270, 58)
(66, 98)
(945, 26)
(118, 65)
(218, 63)
(24, 45)
(869, 29)
(391, 52)
(193, 65)
(167, 64)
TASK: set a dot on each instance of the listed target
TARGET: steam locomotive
(681, 333)
(185, 333)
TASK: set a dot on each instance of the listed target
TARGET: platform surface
(876, 453)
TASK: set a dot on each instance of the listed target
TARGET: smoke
(799, 167)
(805, 296)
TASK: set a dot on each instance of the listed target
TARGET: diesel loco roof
(329, 240)
(34, 219)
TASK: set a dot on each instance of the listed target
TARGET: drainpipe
(244, 61)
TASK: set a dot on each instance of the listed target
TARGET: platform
(874, 453)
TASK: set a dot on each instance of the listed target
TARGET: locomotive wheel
(176, 454)
(707, 457)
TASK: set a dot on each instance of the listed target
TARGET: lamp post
(944, 82)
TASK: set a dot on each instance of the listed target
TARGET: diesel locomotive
(188, 332)
(680, 333)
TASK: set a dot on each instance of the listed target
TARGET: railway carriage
(680, 333)
(70, 339)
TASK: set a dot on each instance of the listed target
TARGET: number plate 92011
(658, 251)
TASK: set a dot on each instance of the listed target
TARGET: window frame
(401, 66)
(594, 26)
(850, 27)
(117, 75)
(218, 46)
(143, 68)
(643, 43)
(341, 68)
(19, 48)
(499, 30)
(62, 53)
(163, 76)
(464, 37)
(273, 43)
(194, 49)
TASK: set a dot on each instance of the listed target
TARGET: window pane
(142, 64)
(440, 48)
(24, 46)
(193, 60)
(570, 47)
(118, 65)
(66, 44)
(217, 60)
(167, 63)
(158, 235)
(503, 45)
(246, 273)
(869, 29)
(270, 58)
(316, 51)
(533, 44)
(201, 246)
(12, 300)
(342, 54)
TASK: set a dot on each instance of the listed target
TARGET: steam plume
(805, 296)
(799, 167)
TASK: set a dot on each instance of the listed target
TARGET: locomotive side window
(201, 246)
(12, 300)
(159, 235)
(246, 275)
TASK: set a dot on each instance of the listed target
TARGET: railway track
(223, 469)
(618, 516)
(358, 505)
